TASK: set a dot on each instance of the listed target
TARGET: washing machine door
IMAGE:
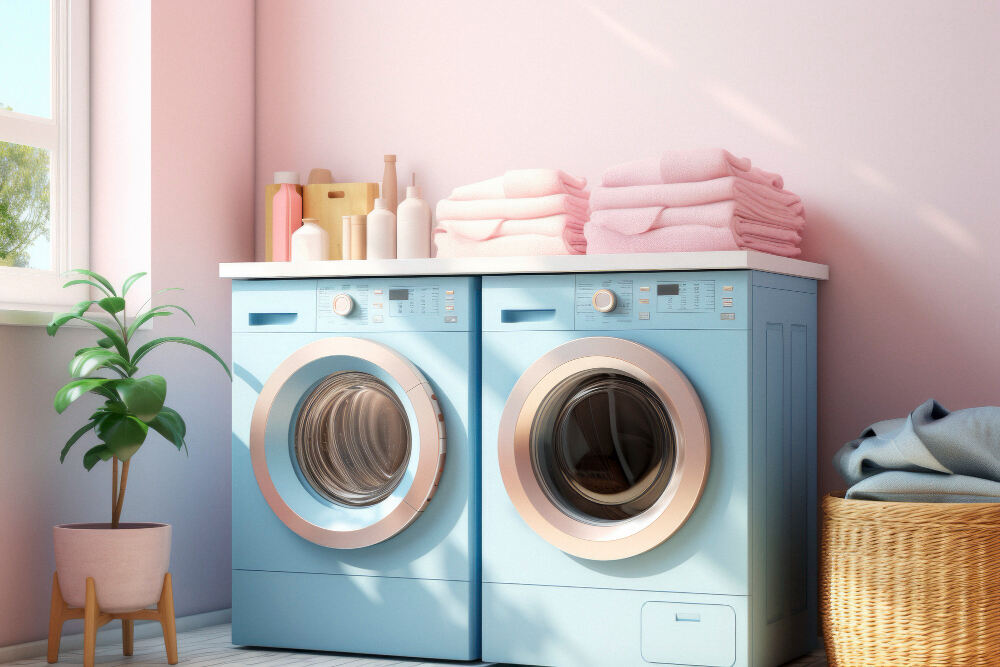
(347, 442)
(604, 448)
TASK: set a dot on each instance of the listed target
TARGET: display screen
(668, 289)
(399, 295)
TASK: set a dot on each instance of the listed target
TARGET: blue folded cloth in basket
(933, 455)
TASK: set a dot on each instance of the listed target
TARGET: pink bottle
(286, 215)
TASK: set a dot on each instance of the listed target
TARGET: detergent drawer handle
(516, 315)
(687, 617)
(272, 319)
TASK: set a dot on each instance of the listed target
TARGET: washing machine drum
(604, 448)
(347, 442)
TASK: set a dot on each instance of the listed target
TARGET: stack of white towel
(691, 201)
(523, 212)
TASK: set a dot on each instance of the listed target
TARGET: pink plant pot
(127, 563)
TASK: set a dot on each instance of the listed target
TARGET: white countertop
(480, 266)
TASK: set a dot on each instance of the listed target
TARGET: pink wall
(202, 194)
(171, 192)
(882, 116)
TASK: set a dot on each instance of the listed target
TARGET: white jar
(310, 242)
(413, 226)
(381, 231)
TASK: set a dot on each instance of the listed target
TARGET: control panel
(685, 300)
(394, 304)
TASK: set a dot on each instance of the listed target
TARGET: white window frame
(30, 296)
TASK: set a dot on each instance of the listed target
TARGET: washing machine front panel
(604, 448)
(317, 514)
(525, 318)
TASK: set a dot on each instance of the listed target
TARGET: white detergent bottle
(413, 226)
(381, 230)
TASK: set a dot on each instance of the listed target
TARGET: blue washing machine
(649, 445)
(356, 465)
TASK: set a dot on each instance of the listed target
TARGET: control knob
(604, 301)
(343, 304)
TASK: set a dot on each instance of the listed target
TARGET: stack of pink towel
(693, 200)
(523, 212)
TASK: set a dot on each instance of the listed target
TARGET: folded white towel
(520, 245)
(507, 209)
(481, 230)
(519, 183)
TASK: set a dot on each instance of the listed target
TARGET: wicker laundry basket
(910, 583)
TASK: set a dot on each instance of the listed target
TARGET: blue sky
(25, 56)
(25, 71)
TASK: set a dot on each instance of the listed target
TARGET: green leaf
(123, 434)
(74, 390)
(171, 426)
(85, 282)
(142, 319)
(60, 319)
(107, 390)
(89, 360)
(170, 305)
(112, 304)
(143, 396)
(131, 281)
(95, 454)
(145, 349)
(109, 290)
(111, 334)
(105, 342)
(73, 438)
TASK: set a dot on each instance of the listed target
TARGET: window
(44, 154)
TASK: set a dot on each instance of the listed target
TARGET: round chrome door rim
(429, 428)
(612, 540)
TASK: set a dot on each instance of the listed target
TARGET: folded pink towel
(516, 209)
(520, 183)
(520, 245)
(719, 214)
(687, 167)
(768, 200)
(685, 238)
(482, 230)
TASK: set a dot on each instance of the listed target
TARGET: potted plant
(127, 562)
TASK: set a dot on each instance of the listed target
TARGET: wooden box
(328, 203)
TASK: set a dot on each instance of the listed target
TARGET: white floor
(211, 646)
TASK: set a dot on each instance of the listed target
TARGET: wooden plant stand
(93, 618)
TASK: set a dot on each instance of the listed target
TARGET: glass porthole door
(604, 448)
(347, 442)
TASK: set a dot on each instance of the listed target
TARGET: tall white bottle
(381, 230)
(413, 226)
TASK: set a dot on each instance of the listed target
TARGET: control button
(377, 319)
(643, 316)
(450, 319)
(727, 288)
(449, 307)
(727, 302)
(644, 288)
(727, 316)
(604, 301)
(378, 291)
(343, 304)
(449, 292)
(377, 304)
(643, 300)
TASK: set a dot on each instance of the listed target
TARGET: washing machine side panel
(709, 553)
(441, 543)
(783, 520)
